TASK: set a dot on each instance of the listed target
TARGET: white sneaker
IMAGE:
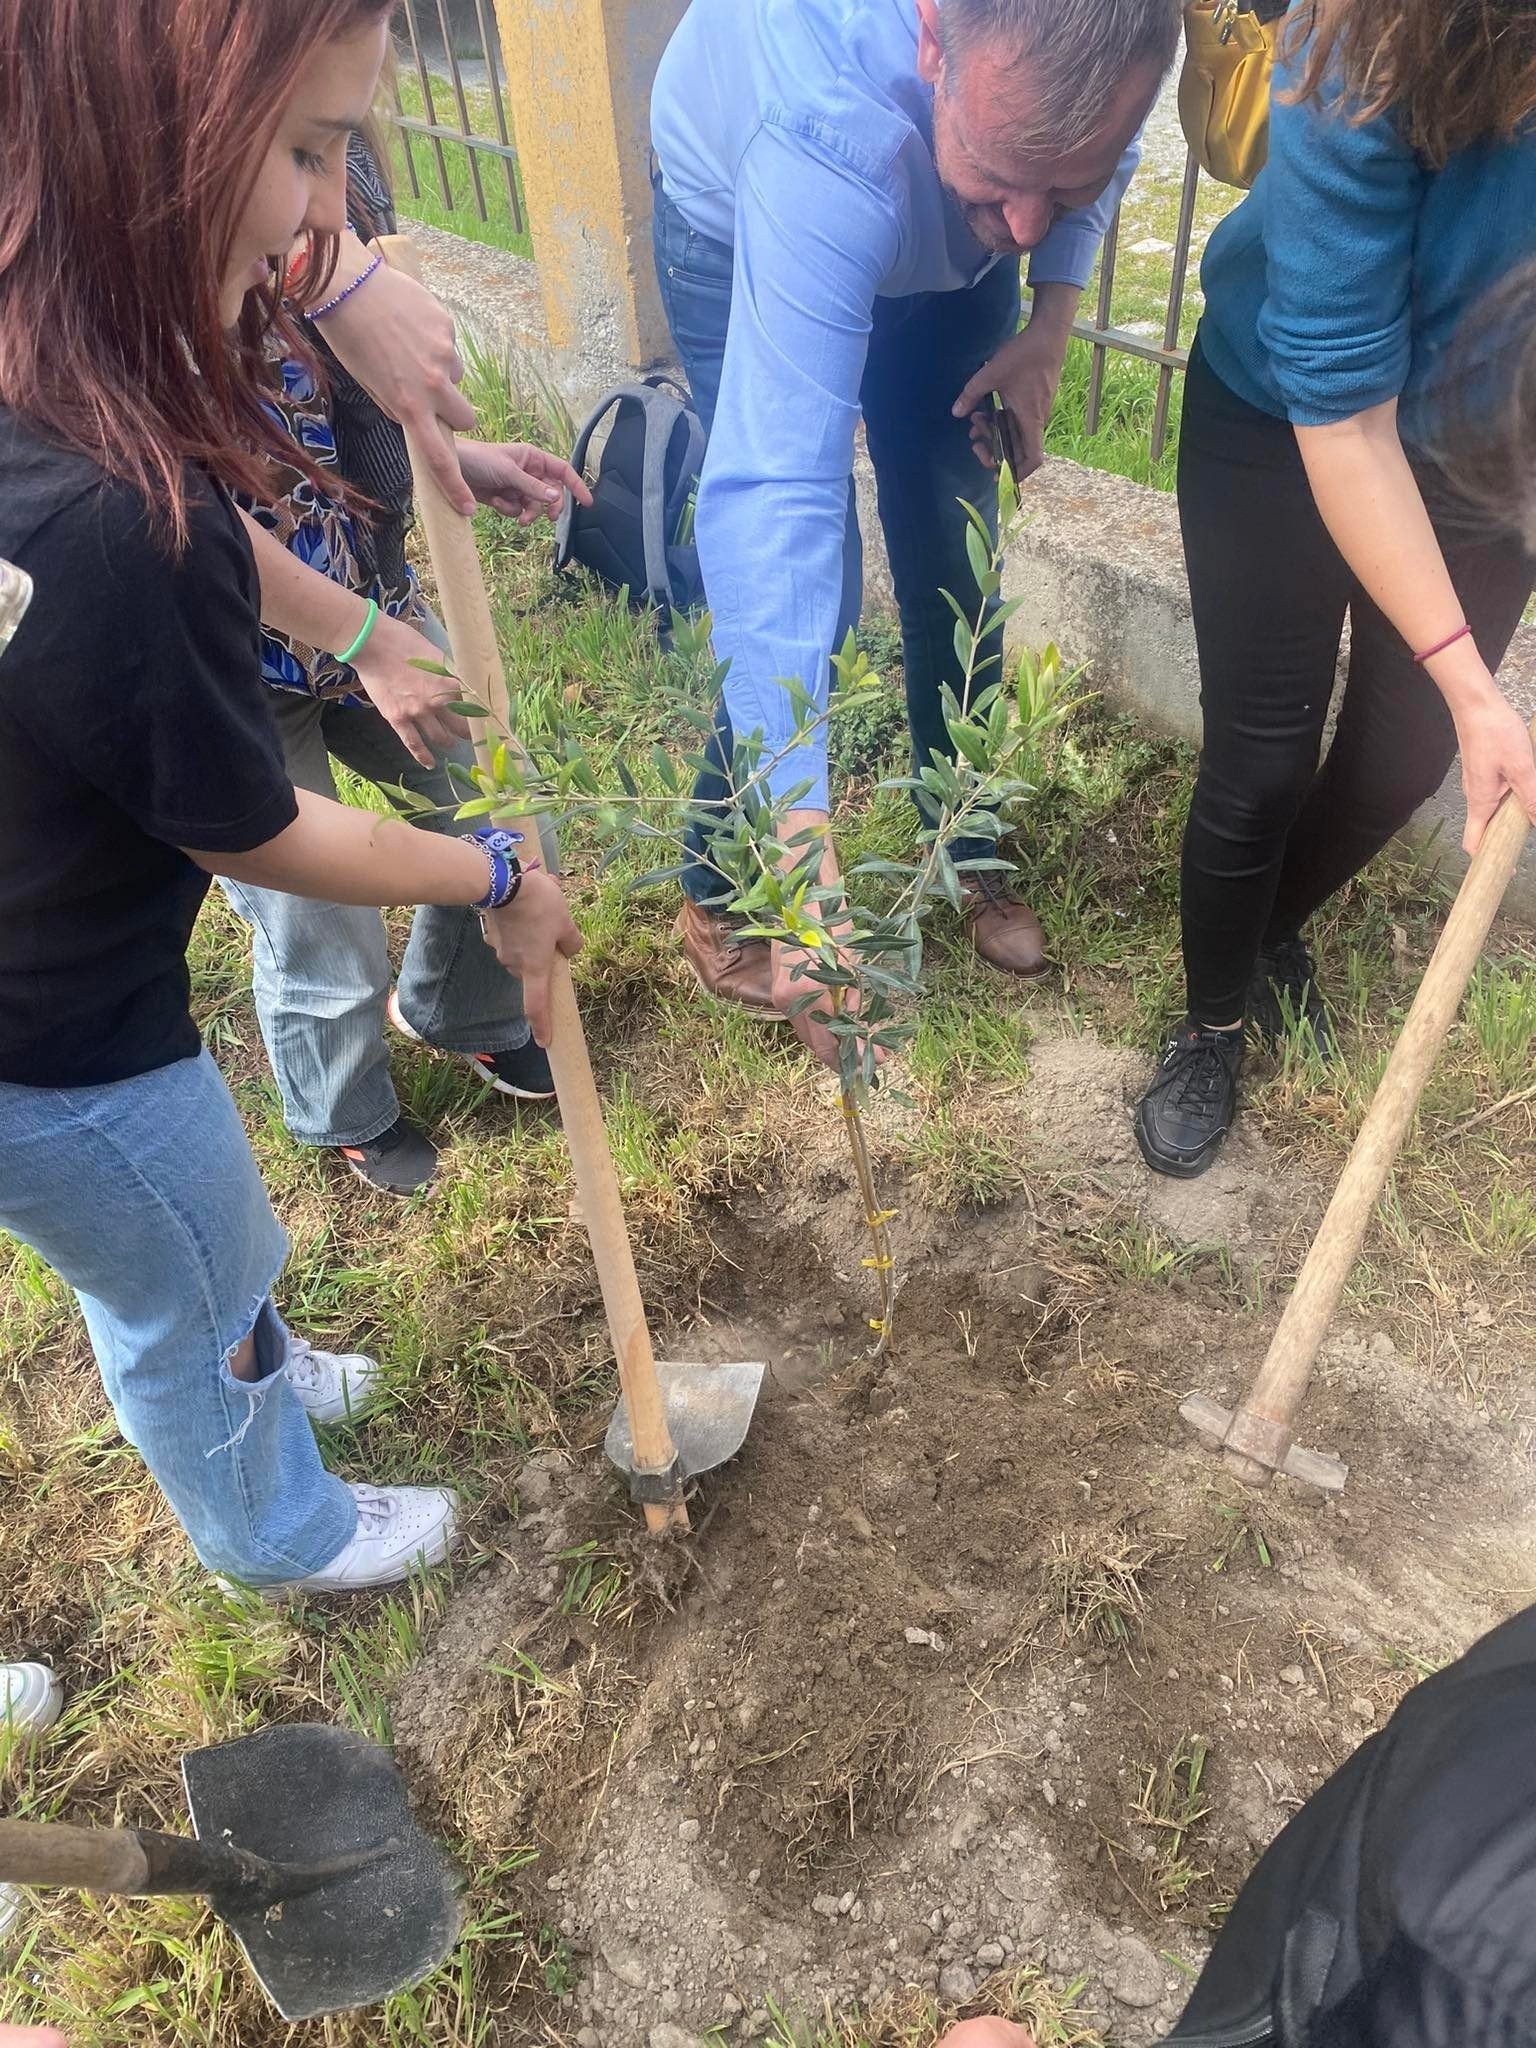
(398, 1528)
(330, 1388)
(31, 1700)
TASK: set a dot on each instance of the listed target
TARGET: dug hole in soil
(916, 1705)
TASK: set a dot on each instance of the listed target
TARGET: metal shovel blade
(304, 1795)
(709, 1411)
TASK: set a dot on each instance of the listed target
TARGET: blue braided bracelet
(498, 846)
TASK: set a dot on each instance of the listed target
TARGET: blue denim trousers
(922, 351)
(143, 1195)
(321, 971)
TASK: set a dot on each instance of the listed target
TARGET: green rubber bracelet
(365, 635)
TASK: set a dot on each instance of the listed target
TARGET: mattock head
(1256, 1448)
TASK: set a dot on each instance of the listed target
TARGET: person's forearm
(1370, 503)
(342, 855)
(301, 602)
(1053, 307)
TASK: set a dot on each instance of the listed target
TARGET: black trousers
(1271, 834)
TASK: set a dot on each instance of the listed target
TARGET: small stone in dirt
(990, 1955)
(753, 1876)
(1077, 1706)
(1136, 1977)
(688, 1831)
(845, 1903)
(668, 2036)
(1382, 1346)
(627, 1967)
(957, 1986)
(1362, 1709)
(924, 1638)
(588, 2037)
(1292, 1674)
(825, 1903)
(1048, 1793)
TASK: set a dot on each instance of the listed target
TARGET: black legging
(1271, 835)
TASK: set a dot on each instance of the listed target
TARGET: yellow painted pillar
(579, 73)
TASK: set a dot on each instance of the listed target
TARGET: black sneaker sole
(501, 1087)
(383, 1187)
(1171, 1164)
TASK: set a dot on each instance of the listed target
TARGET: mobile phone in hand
(1005, 436)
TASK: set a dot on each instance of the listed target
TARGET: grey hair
(1078, 53)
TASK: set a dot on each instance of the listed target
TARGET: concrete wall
(1099, 567)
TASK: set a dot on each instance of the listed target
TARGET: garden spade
(673, 1421)
(305, 1847)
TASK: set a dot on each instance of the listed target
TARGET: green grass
(482, 1306)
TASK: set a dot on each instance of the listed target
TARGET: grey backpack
(637, 534)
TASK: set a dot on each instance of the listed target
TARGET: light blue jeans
(321, 971)
(144, 1196)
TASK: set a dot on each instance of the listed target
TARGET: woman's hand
(525, 938)
(1496, 756)
(414, 702)
(524, 482)
(398, 342)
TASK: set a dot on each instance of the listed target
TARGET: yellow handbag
(1224, 86)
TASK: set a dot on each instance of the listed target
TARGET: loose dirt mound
(975, 1659)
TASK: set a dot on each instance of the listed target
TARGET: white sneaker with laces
(330, 1387)
(398, 1528)
(31, 1700)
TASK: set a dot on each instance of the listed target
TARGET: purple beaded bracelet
(362, 277)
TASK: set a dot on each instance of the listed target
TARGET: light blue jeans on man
(144, 1196)
(321, 972)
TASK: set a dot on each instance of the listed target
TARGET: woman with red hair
(157, 165)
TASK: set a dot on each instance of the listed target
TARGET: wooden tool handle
(477, 662)
(1265, 1418)
(134, 1862)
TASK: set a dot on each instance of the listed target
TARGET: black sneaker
(399, 1161)
(523, 1073)
(1286, 979)
(1188, 1110)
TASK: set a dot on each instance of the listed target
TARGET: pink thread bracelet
(1461, 633)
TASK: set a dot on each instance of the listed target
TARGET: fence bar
(490, 43)
(423, 78)
(1171, 324)
(414, 125)
(1101, 326)
(466, 128)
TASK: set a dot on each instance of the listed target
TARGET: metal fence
(456, 37)
(1102, 336)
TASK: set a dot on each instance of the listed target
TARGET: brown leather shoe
(737, 969)
(1003, 930)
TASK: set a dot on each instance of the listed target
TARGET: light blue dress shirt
(799, 133)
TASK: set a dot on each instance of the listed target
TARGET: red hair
(131, 132)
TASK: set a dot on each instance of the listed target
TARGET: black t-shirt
(133, 722)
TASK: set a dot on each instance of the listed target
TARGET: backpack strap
(662, 415)
(608, 403)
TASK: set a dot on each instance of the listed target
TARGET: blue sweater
(1340, 280)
